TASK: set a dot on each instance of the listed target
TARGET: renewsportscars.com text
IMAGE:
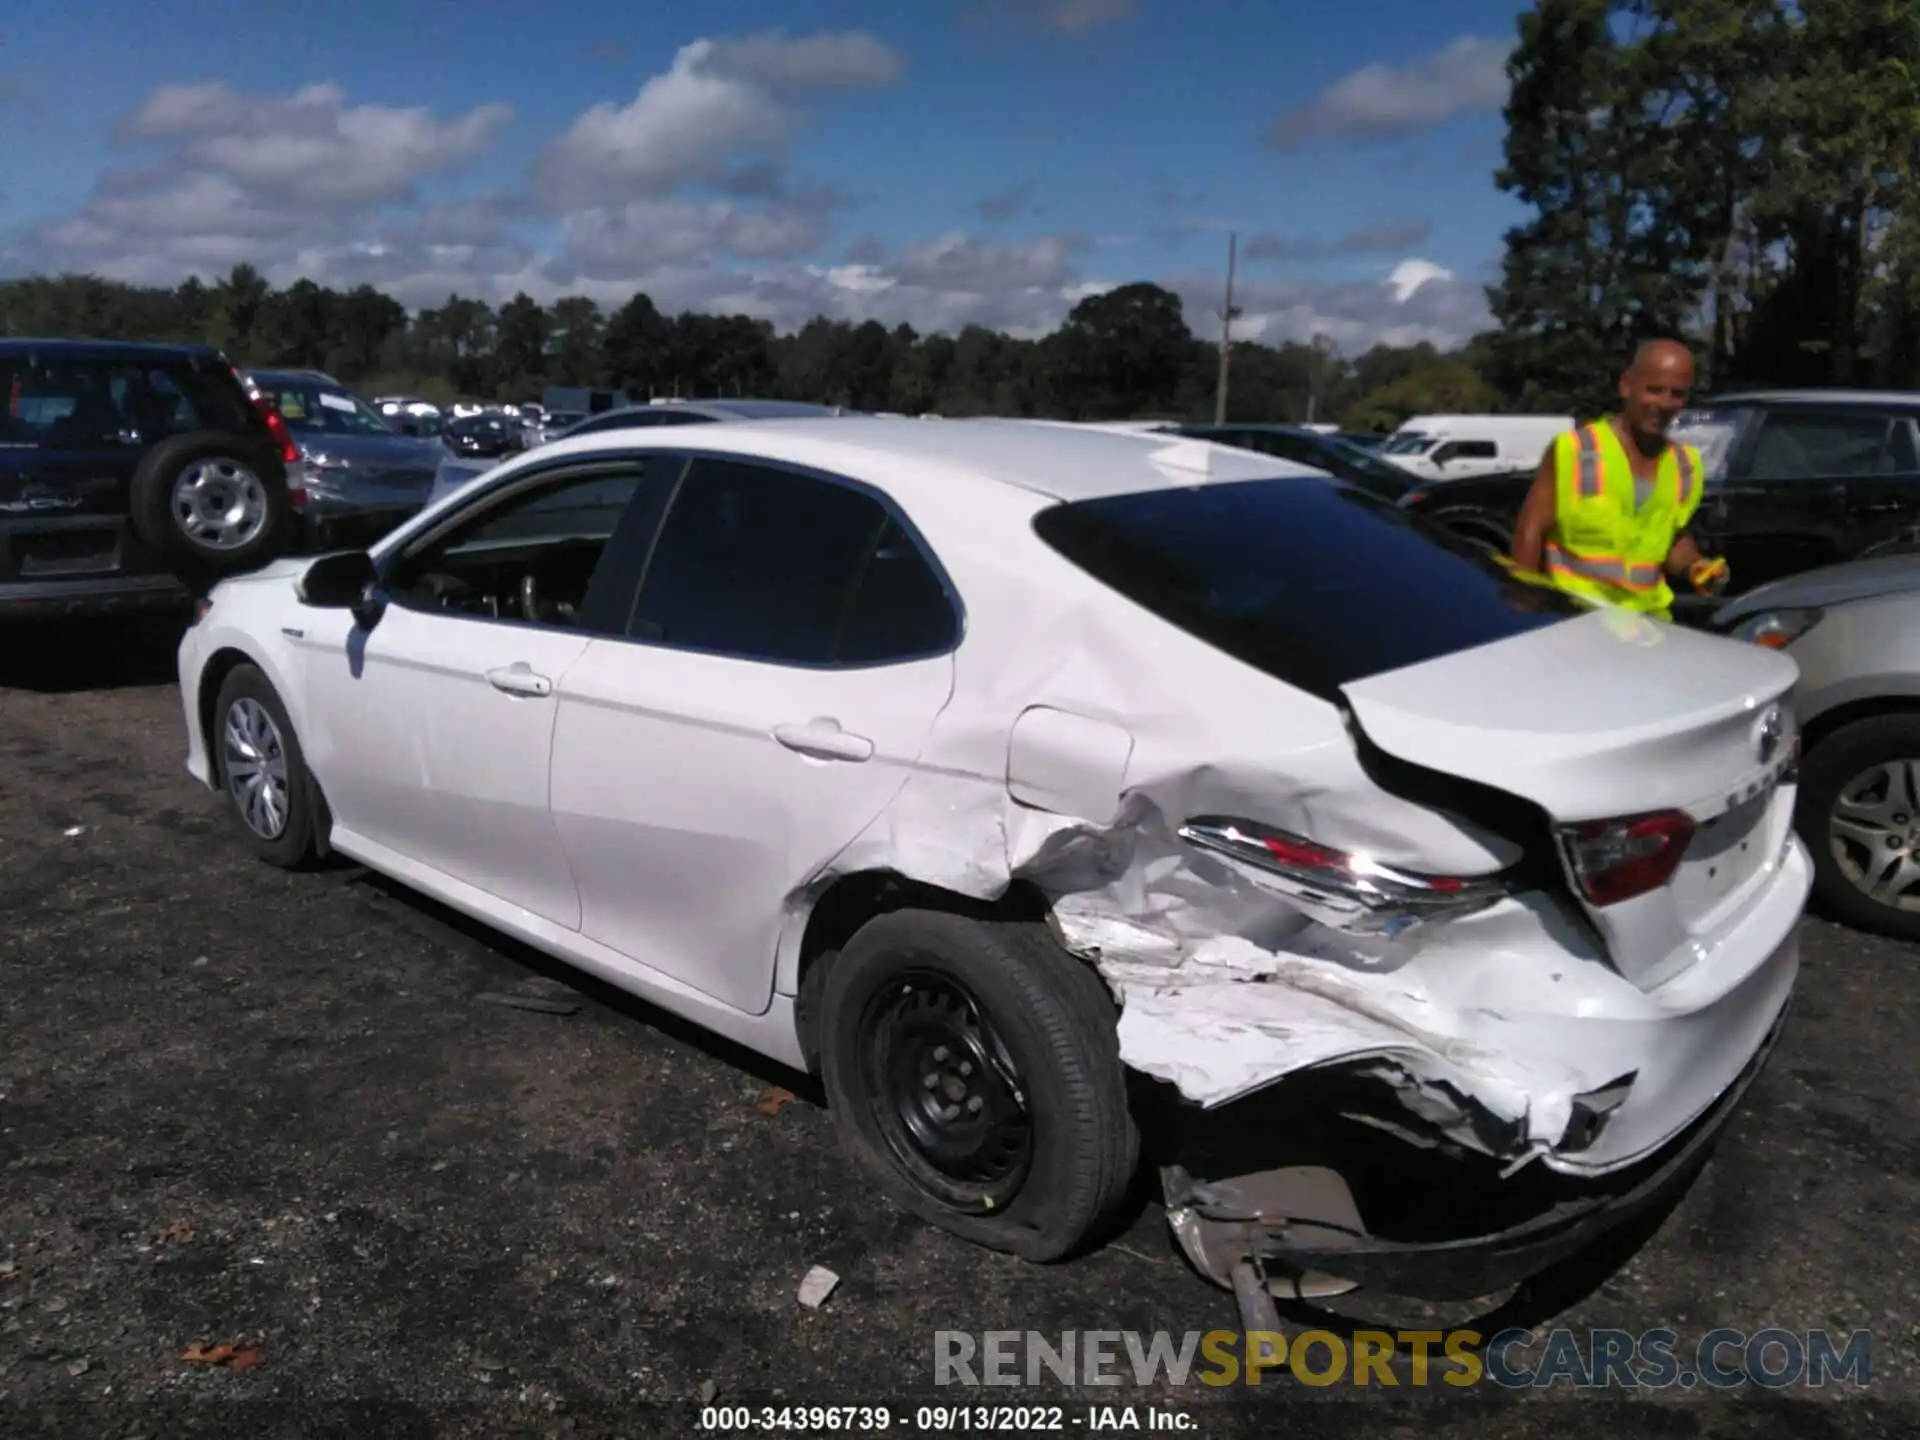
(1721, 1359)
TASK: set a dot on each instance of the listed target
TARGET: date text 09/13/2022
(942, 1419)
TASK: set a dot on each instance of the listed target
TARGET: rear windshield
(66, 402)
(311, 408)
(1314, 582)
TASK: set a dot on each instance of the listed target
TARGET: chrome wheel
(255, 764)
(219, 504)
(1873, 832)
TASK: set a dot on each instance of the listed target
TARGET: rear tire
(1857, 829)
(1024, 1142)
(212, 503)
(262, 772)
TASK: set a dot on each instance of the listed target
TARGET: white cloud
(312, 145)
(644, 235)
(1380, 101)
(720, 102)
(1409, 276)
(1416, 301)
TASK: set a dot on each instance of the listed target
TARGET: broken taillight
(1616, 860)
(1343, 888)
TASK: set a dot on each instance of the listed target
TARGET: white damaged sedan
(1061, 797)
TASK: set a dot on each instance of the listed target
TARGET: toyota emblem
(1768, 735)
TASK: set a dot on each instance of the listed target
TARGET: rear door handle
(519, 679)
(825, 740)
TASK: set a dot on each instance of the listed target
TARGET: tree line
(1122, 354)
(1735, 173)
(1739, 173)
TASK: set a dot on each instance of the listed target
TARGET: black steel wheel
(973, 1070)
(945, 1093)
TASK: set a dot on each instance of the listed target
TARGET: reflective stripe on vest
(1590, 471)
(1607, 569)
(1684, 474)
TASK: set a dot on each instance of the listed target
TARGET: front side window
(767, 564)
(543, 556)
(1811, 446)
(1467, 450)
(1314, 582)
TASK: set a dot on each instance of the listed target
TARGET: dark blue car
(132, 475)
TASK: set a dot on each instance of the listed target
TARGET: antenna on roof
(1193, 456)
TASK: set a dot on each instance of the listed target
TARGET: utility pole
(1322, 343)
(1227, 315)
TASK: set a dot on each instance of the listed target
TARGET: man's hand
(1707, 575)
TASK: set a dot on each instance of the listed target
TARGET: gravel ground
(241, 1108)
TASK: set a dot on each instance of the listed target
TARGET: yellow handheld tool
(1709, 576)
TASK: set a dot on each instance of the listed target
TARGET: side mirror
(346, 581)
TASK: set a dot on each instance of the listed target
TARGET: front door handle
(519, 679)
(824, 740)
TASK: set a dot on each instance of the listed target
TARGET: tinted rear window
(1317, 583)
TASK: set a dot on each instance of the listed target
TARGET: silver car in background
(1854, 631)
(363, 476)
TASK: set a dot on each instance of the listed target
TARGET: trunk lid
(1610, 715)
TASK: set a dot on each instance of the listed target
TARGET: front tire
(973, 1071)
(1859, 816)
(262, 772)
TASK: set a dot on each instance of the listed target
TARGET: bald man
(1607, 515)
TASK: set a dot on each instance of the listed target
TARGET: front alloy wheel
(255, 766)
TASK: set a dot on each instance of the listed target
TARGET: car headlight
(1775, 629)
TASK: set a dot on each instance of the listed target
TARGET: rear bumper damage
(1296, 1231)
(1498, 1057)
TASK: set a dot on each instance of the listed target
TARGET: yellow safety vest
(1605, 547)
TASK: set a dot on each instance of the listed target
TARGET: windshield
(314, 409)
(1407, 442)
(1315, 582)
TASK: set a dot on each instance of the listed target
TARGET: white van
(1452, 447)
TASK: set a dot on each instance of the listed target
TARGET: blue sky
(938, 162)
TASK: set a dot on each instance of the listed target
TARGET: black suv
(1796, 479)
(132, 476)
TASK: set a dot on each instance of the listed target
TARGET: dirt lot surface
(242, 1108)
